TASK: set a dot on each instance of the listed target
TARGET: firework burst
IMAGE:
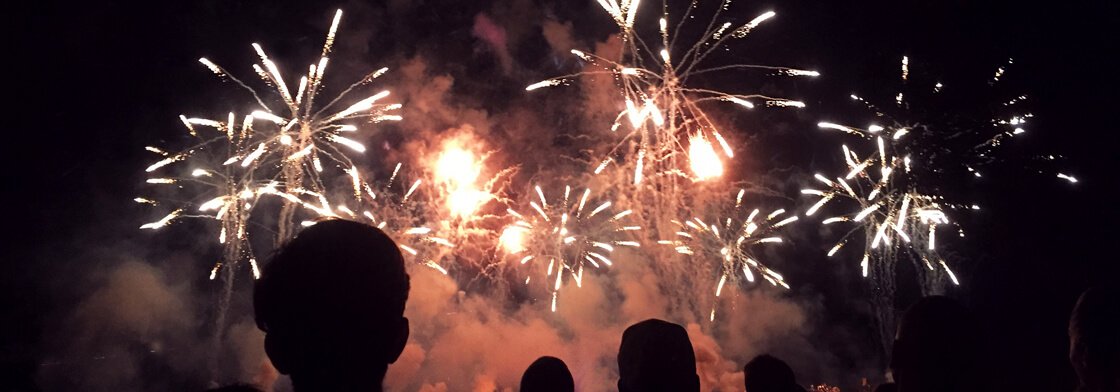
(732, 240)
(278, 149)
(896, 187)
(923, 141)
(662, 114)
(389, 206)
(461, 188)
(888, 214)
(947, 128)
(890, 209)
(570, 235)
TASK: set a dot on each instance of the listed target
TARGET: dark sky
(96, 81)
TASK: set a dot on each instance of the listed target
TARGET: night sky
(97, 81)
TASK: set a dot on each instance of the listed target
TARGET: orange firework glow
(457, 170)
(512, 239)
(705, 163)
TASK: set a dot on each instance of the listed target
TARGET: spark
(163, 162)
(742, 102)
(948, 271)
(163, 221)
(543, 84)
(352, 144)
(838, 127)
(253, 155)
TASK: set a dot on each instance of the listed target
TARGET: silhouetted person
(656, 355)
(1094, 340)
(936, 348)
(766, 373)
(331, 304)
(547, 374)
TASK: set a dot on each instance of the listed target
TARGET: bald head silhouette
(936, 348)
(331, 304)
(656, 355)
(547, 374)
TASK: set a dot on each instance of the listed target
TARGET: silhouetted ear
(277, 353)
(400, 339)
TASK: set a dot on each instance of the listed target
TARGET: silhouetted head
(656, 355)
(936, 347)
(1094, 339)
(331, 304)
(766, 373)
(547, 374)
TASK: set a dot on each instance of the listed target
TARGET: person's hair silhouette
(936, 348)
(547, 374)
(1094, 340)
(331, 305)
(766, 373)
(656, 355)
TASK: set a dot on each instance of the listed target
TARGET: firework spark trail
(666, 140)
(911, 146)
(662, 114)
(275, 150)
(566, 236)
(732, 240)
(943, 138)
(912, 150)
(390, 206)
(891, 211)
(226, 192)
(890, 214)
